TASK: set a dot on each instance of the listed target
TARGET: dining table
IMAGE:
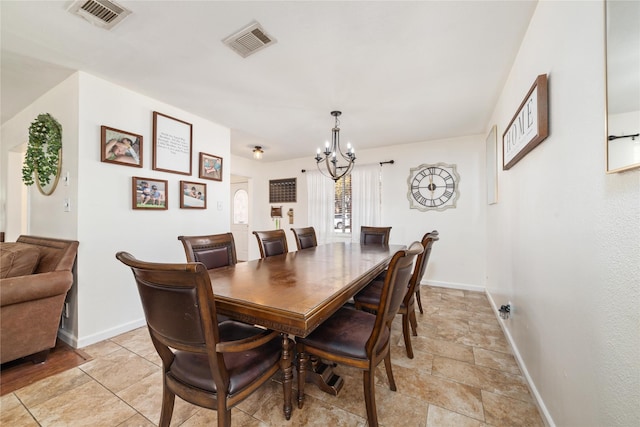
(294, 293)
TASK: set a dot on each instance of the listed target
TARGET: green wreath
(43, 150)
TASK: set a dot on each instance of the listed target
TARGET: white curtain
(321, 194)
(366, 203)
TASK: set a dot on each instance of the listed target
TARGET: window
(241, 207)
(342, 208)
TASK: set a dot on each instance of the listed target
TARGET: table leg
(287, 370)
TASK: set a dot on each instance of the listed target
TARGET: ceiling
(400, 72)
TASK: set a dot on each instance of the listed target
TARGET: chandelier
(331, 152)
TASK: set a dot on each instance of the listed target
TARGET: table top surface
(297, 291)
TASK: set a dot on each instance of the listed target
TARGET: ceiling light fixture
(257, 152)
(332, 150)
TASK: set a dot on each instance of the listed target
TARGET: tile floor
(463, 374)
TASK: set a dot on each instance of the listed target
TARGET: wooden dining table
(295, 292)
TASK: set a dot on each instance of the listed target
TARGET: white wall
(102, 218)
(562, 242)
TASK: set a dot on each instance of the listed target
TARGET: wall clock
(433, 187)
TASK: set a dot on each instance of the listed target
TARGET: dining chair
(214, 250)
(305, 237)
(374, 235)
(271, 242)
(206, 363)
(360, 339)
(369, 297)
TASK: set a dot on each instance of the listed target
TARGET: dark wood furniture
(214, 250)
(374, 235)
(360, 339)
(305, 237)
(295, 292)
(271, 242)
(209, 364)
(369, 297)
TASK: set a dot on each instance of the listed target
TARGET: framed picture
(193, 195)
(529, 126)
(120, 147)
(149, 193)
(172, 142)
(492, 166)
(210, 167)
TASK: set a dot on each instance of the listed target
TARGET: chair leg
(414, 322)
(418, 299)
(168, 399)
(303, 360)
(387, 366)
(370, 397)
(406, 335)
(224, 417)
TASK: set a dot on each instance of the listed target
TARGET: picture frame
(193, 195)
(529, 125)
(120, 147)
(172, 144)
(210, 167)
(149, 193)
(491, 144)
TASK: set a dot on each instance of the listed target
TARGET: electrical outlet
(67, 204)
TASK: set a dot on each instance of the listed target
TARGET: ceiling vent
(249, 40)
(101, 13)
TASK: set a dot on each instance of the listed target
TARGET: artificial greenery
(43, 150)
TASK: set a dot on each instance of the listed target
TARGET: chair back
(374, 235)
(305, 237)
(271, 242)
(179, 307)
(215, 250)
(393, 291)
(421, 265)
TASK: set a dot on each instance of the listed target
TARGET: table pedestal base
(322, 375)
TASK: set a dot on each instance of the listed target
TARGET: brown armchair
(215, 250)
(31, 304)
(209, 364)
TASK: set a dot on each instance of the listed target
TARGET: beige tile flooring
(463, 374)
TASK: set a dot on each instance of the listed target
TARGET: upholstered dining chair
(369, 297)
(305, 237)
(374, 235)
(360, 339)
(271, 242)
(214, 251)
(209, 364)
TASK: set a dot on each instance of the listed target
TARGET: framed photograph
(492, 166)
(193, 195)
(172, 142)
(120, 147)
(210, 167)
(529, 126)
(149, 193)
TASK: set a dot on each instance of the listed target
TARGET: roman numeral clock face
(433, 187)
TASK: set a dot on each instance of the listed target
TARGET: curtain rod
(633, 137)
(390, 162)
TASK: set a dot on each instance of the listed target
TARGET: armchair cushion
(18, 259)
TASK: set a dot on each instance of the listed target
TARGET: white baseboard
(451, 285)
(539, 402)
(74, 342)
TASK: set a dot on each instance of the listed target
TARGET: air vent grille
(102, 13)
(249, 40)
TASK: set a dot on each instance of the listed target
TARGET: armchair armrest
(15, 290)
(246, 343)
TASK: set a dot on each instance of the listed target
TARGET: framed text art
(172, 142)
(210, 167)
(148, 193)
(193, 195)
(120, 147)
(529, 126)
